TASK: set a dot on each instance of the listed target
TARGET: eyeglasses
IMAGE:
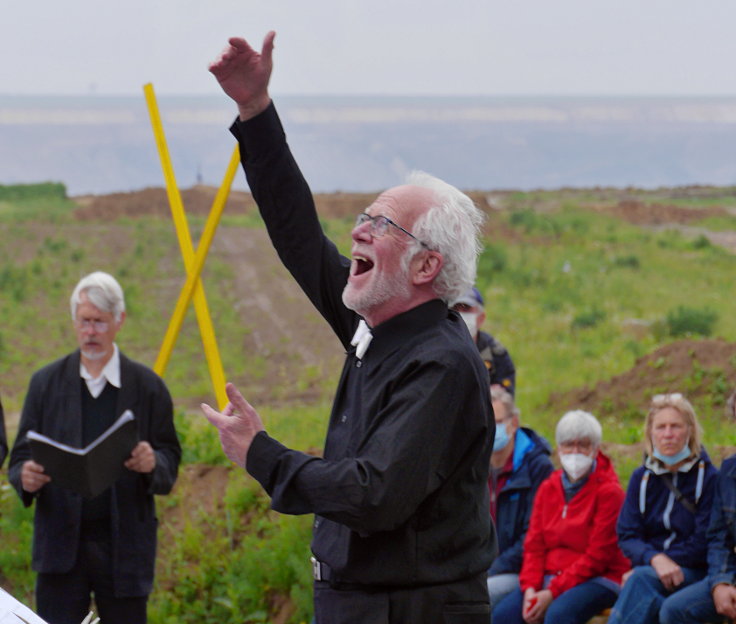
(379, 226)
(99, 326)
(577, 445)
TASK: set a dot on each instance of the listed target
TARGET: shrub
(16, 192)
(701, 242)
(684, 321)
(588, 318)
(631, 261)
(531, 221)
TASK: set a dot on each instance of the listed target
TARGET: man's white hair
(103, 291)
(450, 226)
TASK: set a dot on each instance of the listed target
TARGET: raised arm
(244, 74)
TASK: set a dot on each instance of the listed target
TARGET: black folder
(93, 469)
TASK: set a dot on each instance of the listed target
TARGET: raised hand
(238, 424)
(244, 74)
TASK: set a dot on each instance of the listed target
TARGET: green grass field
(564, 281)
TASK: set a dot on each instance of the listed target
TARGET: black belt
(321, 571)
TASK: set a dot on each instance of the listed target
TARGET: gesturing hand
(244, 74)
(238, 424)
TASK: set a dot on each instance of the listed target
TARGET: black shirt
(401, 494)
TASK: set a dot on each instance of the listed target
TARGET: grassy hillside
(603, 296)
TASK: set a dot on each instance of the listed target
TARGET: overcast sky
(379, 47)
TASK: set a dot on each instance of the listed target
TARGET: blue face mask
(673, 459)
(501, 439)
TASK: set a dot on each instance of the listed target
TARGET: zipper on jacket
(564, 511)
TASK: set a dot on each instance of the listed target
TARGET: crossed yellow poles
(193, 262)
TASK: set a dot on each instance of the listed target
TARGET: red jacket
(574, 541)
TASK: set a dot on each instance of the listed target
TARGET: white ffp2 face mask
(576, 465)
(471, 320)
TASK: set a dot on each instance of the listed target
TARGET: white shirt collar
(110, 373)
(361, 339)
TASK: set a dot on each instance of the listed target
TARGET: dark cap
(471, 298)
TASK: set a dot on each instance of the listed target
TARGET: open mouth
(362, 265)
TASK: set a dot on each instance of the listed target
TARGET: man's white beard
(380, 289)
(93, 355)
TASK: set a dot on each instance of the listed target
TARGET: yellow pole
(204, 320)
(194, 271)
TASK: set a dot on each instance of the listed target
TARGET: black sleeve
(163, 439)
(29, 419)
(287, 207)
(417, 443)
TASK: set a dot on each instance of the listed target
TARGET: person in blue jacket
(663, 522)
(714, 598)
(519, 463)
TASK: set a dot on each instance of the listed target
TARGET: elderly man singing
(402, 531)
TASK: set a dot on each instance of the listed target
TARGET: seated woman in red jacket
(572, 563)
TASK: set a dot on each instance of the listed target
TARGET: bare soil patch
(663, 370)
(197, 200)
(689, 366)
(641, 213)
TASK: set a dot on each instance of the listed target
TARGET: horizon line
(165, 94)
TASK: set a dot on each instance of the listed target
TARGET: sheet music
(13, 611)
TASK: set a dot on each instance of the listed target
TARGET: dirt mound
(154, 201)
(698, 368)
(641, 213)
(198, 200)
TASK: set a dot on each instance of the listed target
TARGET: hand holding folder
(91, 470)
